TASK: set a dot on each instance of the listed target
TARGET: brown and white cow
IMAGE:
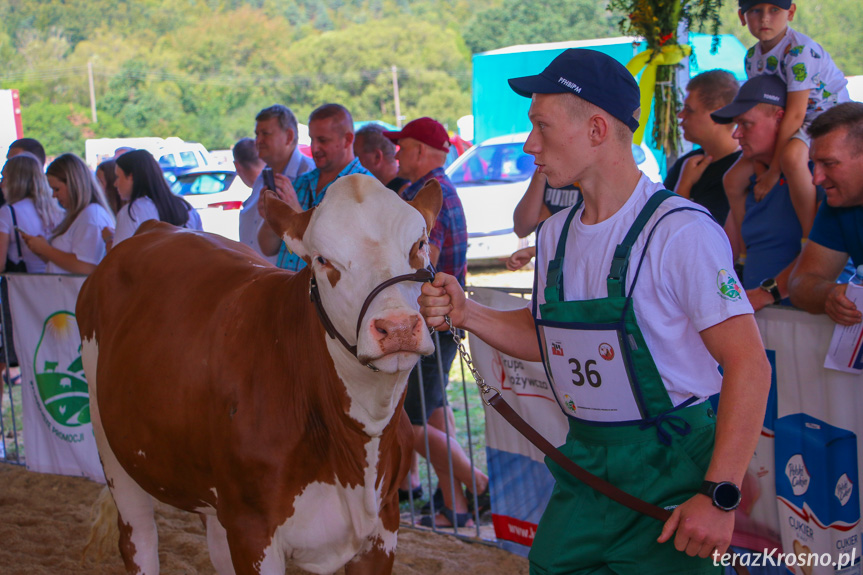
(214, 387)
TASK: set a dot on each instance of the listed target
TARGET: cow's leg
(253, 551)
(378, 554)
(139, 542)
(374, 561)
(217, 543)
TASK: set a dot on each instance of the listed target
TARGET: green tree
(430, 60)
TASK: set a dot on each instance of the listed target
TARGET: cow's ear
(428, 202)
(288, 224)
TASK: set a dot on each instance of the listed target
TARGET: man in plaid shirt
(423, 146)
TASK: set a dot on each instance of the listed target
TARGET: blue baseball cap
(746, 5)
(764, 89)
(592, 76)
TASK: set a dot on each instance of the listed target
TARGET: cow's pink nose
(397, 332)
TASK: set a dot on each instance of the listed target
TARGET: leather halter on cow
(215, 388)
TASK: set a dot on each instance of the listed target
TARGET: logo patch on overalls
(728, 286)
(557, 348)
(606, 352)
(570, 404)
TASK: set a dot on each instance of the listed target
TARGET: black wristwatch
(725, 495)
(770, 286)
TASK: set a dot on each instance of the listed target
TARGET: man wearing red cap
(423, 146)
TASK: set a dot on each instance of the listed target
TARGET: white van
(173, 154)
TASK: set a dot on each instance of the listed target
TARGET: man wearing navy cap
(636, 302)
(773, 227)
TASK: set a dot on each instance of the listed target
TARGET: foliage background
(201, 69)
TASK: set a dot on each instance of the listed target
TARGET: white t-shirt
(29, 221)
(803, 65)
(144, 209)
(83, 238)
(678, 290)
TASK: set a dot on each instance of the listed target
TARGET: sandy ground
(44, 524)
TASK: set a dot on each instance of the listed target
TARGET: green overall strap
(620, 262)
(554, 277)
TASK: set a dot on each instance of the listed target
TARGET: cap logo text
(772, 97)
(571, 85)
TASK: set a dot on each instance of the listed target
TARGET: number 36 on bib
(588, 374)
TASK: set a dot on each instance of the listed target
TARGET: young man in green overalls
(635, 304)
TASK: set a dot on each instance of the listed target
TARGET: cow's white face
(361, 235)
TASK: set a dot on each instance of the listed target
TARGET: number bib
(588, 374)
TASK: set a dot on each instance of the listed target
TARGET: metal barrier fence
(11, 442)
(474, 431)
(462, 401)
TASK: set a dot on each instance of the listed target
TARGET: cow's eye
(422, 244)
(321, 260)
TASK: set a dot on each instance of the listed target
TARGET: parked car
(177, 159)
(491, 179)
(218, 195)
(173, 154)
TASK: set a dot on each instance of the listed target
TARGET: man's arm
(511, 332)
(528, 212)
(736, 345)
(268, 241)
(813, 286)
(693, 168)
(760, 298)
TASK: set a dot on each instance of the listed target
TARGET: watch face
(769, 284)
(727, 496)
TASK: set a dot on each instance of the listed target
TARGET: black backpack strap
(15, 229)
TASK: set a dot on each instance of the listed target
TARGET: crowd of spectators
(740, 134)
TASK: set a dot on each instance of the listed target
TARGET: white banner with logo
(801, 493)
(58, 435)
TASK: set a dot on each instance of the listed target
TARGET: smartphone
(269, 180)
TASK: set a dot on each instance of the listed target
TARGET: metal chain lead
(484, 388)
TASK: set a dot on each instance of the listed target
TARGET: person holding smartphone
(75, 245)
(276, 145)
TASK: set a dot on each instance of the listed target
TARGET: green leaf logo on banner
(60, 373)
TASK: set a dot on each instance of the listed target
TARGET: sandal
(437, 498)
(483, 500)
(417, 493)
(455, 519)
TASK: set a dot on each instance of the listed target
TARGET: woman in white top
(27, 194)
(142, 185)
(29, 207)
(76, 245)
